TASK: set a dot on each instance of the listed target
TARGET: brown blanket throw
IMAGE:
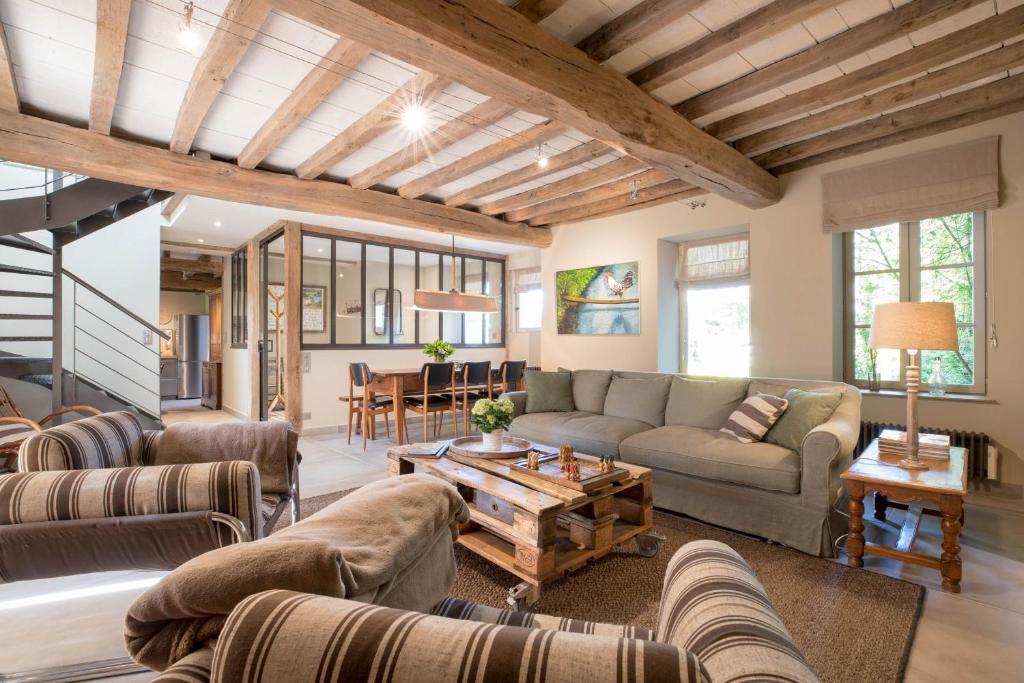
(263, 443)
(353, 547)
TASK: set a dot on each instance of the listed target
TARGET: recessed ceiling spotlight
(320, 250)
(217, 224)
(187, 36)
(414, 117)
(200, 240)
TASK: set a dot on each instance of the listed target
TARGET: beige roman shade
(954, 179)
(526, 280)
(718, 260)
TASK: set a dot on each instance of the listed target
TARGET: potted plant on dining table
(439, 350)
(492, 418)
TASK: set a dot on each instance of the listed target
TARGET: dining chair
(509, 376)
(368, 406)
(16, 428)
(438, 381)
(472, 384)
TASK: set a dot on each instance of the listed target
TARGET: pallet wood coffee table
(536, 529)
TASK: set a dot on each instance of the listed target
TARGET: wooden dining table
(398, 384)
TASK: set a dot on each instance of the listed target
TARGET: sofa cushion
(713, 455)
(806, 410)
(638, 399)
(754, 417)
(589, 389)
(548, 392)
(703, 403)
(588, 433)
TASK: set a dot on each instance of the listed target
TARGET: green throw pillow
(548, 392)
(807, 410)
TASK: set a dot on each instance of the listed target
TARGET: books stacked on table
(428, 449)
(928, 445)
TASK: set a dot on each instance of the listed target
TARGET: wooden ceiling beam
(745, 31)
(829, 52)
(667, 199)
(622, 201)
(176, 281)
(964, 73)
(905, 135)
(633, 25)
(8, 83)
(559, 188)
(337, 65)
(421, 88)
(111, 36)
(948, 48)
(476, 119)
(495, 51)
(595, 194)
(532, 171)
(963, 102)
(49, 144)
(538, 10)
(482, 158)
(182, 265)
(239, 24)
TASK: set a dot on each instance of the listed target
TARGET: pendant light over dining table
(453, 301)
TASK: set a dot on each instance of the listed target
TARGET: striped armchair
(716, 624)
(83, 501)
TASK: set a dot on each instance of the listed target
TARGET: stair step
(25, 339)
(26, 316)
(20, 270)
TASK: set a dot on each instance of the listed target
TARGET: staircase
(104, 354)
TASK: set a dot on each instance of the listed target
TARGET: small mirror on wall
(380, 311)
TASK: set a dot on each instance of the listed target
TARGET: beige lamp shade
(914, 325)
(453, 302)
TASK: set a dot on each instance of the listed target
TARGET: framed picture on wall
(313, 303)
(598, 300)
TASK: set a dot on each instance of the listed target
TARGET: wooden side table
(943, 484)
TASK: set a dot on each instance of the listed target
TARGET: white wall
(792, 302)
(235, 368)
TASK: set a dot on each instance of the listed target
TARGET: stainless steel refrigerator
(193, 351)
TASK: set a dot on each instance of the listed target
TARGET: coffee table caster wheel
(649, 544)
(523, 596)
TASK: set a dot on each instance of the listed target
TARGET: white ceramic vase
(492, 440)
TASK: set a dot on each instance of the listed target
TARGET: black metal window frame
(488, 262)
(239, 299)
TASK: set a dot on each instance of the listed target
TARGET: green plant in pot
(439, 350)
(492, 418)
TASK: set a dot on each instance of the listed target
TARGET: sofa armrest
(271, 627)
(230, 488)
(827, 451)
(453, 608)
(518, 399)
(713, 606)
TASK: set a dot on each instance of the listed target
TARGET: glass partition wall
(371, 293)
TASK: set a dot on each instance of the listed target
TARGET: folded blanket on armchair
(365, 547)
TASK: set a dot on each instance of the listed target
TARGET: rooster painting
(599, 299)
(617, 287)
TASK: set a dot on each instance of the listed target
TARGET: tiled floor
(977, 635)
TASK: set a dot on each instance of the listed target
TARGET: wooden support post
(253, 328)
(292, 351)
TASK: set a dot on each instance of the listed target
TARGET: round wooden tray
(473, 446)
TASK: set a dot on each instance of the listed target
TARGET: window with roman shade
(529, 299)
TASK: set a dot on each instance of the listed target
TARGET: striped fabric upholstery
(713, 606)
(471, 611)
(228, 487)
(754, 417)
(285, 636)
(193, 668)
(95, 442)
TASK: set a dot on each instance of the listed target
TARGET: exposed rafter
(337, 65)
(634, 25)
(857, 40)
(741, 33)
(684, 195)
(625, 200)
(574, 157)
(574, 183)
(8, 83)
(49, 144)
(538, 10)
(993, 94)
(184, 265)
(111, 36)
(482, 158)
(964, 73)
(422, 87)
(497, 52)
(473, 121)
(240, 22)
(588, 197)
(956, 45)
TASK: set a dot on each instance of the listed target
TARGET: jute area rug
(852, 625)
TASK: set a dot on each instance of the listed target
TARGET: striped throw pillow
(754, 417)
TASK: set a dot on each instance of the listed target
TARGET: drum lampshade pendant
(453, 301)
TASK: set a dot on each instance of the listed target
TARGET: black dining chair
(368, 406)
(438, 381)
(472, 384)
(509, 376)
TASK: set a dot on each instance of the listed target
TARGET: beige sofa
(670, 424)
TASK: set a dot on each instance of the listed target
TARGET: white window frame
(523, 289)
(910, 286)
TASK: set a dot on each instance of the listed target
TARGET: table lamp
(913, 327)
